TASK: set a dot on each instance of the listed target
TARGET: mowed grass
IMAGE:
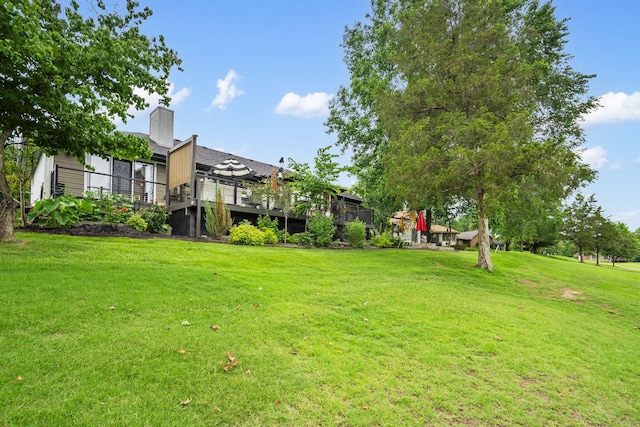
(109, 331)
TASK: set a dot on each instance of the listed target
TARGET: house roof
(207, 158)
(439, 229)
(468, 235)
(349, 196)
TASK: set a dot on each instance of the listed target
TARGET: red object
(421, 225)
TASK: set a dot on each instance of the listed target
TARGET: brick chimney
(161, 126)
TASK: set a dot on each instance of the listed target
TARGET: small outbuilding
(468, 238)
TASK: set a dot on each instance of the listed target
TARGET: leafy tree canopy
(315, 186)
(66, 77)
(464, 99)
(583, 221)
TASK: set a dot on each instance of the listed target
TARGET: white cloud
(595, 157)
(227, 91)
(616, 166)
(615, 108)
(312, 105)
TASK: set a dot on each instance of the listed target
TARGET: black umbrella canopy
(232, 168)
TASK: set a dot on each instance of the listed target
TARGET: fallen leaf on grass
(366, 407)
(248, 372)
(186, 323)
(185, 402)
(214, 327)
(497, 338)
(233, 362)
(17, 380)
(217, 409)
(182, 351)
(256, 305)
(230, 366)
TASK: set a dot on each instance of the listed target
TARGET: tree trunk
(484, 244)
(581, 254)
(7, 203)
(286, 220)
(23, 215)
(7, 206)
(484, 241)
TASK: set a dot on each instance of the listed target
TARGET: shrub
(270, 237)
(63, 211)
(283, 236)
(156, 218)
(137, 222)
(459, 246)
(217, 219)
(321, 229)
(294, 239)
(118, 214)
(265, 223)
(381, 241)
(305, 240)
(246, 234)
(355, 233)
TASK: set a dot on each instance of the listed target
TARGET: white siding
(42, 179)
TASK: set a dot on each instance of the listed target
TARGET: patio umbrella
(421, 225)
(231, 168)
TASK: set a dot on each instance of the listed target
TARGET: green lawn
(106, 331)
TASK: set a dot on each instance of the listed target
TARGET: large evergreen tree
(466, 99)
(64, 78)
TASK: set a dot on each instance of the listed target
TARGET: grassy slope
(91, 332)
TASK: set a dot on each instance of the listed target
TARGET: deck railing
(65, 180)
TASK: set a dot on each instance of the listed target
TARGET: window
(143, 187)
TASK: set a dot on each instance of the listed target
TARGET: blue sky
(258, 75)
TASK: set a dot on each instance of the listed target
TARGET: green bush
(265, 223)
(355, 233)
(294, 239)
(321, 229)
(156, 218)
(137, 222)
(118, 214)
(246, 234)
(305, 240)
(381, 241)
(63, 211)
(110, 208)
(459, 246)
(270, 237)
